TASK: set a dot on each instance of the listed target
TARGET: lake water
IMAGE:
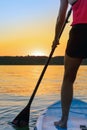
(18, 82)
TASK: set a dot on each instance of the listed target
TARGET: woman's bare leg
(71, 68)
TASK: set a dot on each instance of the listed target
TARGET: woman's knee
(70, 76)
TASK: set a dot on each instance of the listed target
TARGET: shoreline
(33, 60)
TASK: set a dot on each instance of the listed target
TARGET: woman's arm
(60, 21)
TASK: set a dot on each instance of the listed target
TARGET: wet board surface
(77, 117)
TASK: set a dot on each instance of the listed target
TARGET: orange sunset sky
(27, 27)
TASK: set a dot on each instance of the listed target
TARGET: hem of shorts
(75, 56)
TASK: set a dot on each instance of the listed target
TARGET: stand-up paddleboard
(77, 117)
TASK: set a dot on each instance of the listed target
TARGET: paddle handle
(49, 58)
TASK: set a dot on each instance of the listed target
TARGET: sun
(38, 53)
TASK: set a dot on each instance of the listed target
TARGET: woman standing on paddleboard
(76, 51)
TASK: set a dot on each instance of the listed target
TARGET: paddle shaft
(49, 58)
(22, 119)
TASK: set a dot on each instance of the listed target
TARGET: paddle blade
(22, 119)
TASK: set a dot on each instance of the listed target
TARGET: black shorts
(77, 43)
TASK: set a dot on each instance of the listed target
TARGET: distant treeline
(33, 60)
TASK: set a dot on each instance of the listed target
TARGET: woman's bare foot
(61, 123)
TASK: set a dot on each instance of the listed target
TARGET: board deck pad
(77, 117)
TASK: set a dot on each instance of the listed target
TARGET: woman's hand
(55, 43)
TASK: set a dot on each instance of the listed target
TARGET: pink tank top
(80, 12)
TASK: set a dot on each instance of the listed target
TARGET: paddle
(22, 119)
